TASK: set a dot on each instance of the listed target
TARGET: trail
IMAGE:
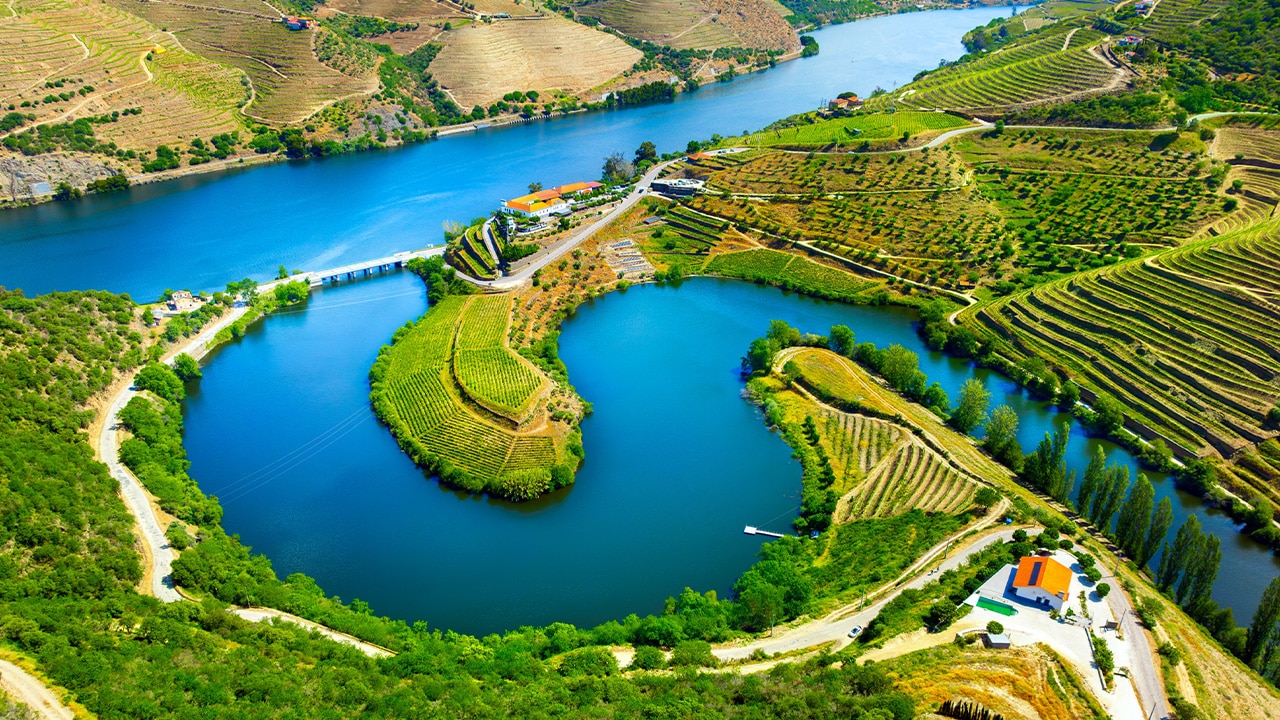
(1066, 41)
(27, 689)
(259, 614)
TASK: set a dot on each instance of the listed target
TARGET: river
(677, 461)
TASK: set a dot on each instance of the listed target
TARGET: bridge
(364, 268)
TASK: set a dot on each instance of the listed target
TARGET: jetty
(752, 530)
(366, 267)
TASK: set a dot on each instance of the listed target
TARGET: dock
(750, 530)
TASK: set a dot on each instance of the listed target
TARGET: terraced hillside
(289, 81)
(1056, 62)
(75, 60)
(880, 469)
(465, 406)
(1188, 340)
(697, 24)
(1251, 147)
(481, 63)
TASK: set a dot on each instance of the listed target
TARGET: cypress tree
(1115, 488)
(1264, 631)
(1093, 477)
(1174, 559)
(1156, 533)
(1204, 569)
(1185, 547)
(1135, 517)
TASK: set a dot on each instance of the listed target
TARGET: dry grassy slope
(698, 24)
(1024, 683)
(481, 63)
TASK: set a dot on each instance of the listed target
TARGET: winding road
(23, 687)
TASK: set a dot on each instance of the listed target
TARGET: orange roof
(530, 203)
(1045, 573)
(699, 156)
(577, 187)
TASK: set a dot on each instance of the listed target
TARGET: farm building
(543, 203)
(682, 187)
(1143, 7)
(996, 641)
(183, 301)
(845, 103)
(1043, 580)
(1130, 40)
(296, 23)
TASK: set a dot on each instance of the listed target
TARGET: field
(464, 405)
(1034, 69)
(289, 82)
(481, 63)
(697, 24)
(1186, 340)
(793, 273)
(874, 130)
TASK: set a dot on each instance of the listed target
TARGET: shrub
(995, 628)
(693, 653)
(1103, 590)
(648, 658)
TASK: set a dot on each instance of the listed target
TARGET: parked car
(856, 631)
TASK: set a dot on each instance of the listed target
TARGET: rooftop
(1045, 573)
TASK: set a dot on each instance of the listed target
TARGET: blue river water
(677, 462)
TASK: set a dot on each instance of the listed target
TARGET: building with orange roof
(578, 187)
(542, 203)
(1043, 580)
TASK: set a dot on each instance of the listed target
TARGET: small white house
(1043, 580)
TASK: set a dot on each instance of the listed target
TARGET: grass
(454, 395)
(871, 130)
(793, 273)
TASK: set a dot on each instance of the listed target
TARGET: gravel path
(25, 688)
(258, 614)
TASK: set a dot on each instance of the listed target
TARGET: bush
(1103, 590)
(159, 379)
(648, 658)
(1171, 653)
(693, 653)
(995, 628)
(589, 661)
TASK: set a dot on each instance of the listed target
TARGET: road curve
(23, 687)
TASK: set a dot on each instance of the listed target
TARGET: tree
(995, 628)
(971, 411)
(1068, 395)
(1264, 632)
(535, 187)
(1102, 589)
(617, 169)
(158, 378)
(898, 366)
(842, 340)
(1173, 560)
(186, 367)
(1202, 571)
(1046, 468)
(986, 497)
(1002, 435)
(760, 605)
(647, 152)
(935, 398)
(1161, 521)
(1109, 413)
(1094, 477)
(1135, 518)
(65, 191)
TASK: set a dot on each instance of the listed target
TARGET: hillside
(697, 24)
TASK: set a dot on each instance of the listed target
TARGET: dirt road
(25, 688)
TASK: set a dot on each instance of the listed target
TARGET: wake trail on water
(278, 467)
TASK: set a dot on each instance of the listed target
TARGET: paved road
(21, 686)
(835, 626)
(1142, 667)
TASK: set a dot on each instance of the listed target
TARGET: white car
(856, 631)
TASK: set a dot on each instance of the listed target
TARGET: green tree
(1094, 477)
(647, 152)
(158, 378)
(1173, 560)
(186, 367)
(1102, 589)
(1068, 395)
(1109, 413)
(1046, 468)
(760, 605)
(1114, 488)
(617, 169)
(1135, 518)
(842, 340)
(1002, 435)
(971, 411)
(995, 628)
(935, 398)
(1202, 571)
(899, 366)
(1264, 631)
(1161, 521)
